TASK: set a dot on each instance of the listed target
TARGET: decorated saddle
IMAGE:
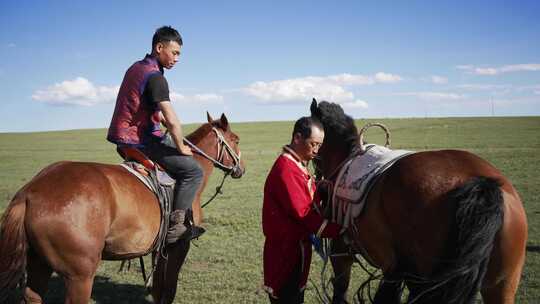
(157, 180)
(356, 178)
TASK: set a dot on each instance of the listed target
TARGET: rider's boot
(178, 230)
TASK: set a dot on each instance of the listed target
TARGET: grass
(225, 265)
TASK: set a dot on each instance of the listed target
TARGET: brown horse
(445, 224)
(71, 215)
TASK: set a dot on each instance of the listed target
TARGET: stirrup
(195, 232)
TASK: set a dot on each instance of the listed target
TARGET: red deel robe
(288, 219)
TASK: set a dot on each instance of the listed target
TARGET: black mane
(339, 128)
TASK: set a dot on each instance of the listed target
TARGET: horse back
(410, 209)
(99, 209)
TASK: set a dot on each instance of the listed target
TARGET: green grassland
(224, 266)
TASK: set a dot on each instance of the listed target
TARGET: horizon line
(286, 120)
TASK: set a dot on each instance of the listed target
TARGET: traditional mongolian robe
(288, 218)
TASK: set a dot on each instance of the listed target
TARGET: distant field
(225, 265)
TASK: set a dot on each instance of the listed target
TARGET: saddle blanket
(162, 185)
(150, 180)
(356, 179)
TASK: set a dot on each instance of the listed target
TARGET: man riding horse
(143, 103)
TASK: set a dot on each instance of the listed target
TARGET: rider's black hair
(166, 34)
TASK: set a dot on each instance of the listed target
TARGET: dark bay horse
(445, 224)
(71, 215)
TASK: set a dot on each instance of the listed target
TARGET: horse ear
(224, 122)
(210, 119)
(313, 107)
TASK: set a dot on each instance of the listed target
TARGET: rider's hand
(185, 150)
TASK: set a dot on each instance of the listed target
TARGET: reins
(218, 190)
(352, 250)
(222, 148)
(222, 144)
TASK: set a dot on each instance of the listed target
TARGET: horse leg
(197, 210)
(78, 289)
(76, 260)
(342, 272)
(165, 277)
(501, 283)
(389, 290)
(38, 275)
(508, 256)
(78, 273)
(502, 293)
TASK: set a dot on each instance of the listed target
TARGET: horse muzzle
(237, 171)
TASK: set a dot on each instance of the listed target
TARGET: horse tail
(478, 218)
(14, 244)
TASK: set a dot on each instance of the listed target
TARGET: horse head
(340, 137)
(228, 154)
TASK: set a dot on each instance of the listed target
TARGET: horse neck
(336, 159)
(204, 139)
(200, 133)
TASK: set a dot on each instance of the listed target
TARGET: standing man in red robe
(288, 217)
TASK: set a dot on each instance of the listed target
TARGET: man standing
(142, 104)
(288, 218)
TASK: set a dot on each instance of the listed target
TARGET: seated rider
(142, 104)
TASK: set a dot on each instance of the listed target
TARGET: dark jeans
(290, 292)
(184, 169)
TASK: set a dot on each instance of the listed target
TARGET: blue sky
(264, 60)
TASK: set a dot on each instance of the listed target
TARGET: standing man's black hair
(304, 124)
(166, 34)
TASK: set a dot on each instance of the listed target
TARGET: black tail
(13, 245)
(478, 218)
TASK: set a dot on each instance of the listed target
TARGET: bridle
(223, 148)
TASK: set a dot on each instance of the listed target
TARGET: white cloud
(439, 79)
(357, 104)
(484, 87)
(79, 91)
(387, 78)
(298, 90)
(196, 98)
(209, 98)
(520, 67)
(432, 95)
(330, 88)
(490, 71)
(464, 67)
(176, 97)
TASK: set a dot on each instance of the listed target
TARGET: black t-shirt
(157, 89)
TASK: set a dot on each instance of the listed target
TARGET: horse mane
(339, 128)
(201, 131)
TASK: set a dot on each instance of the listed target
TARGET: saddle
(162, 185)
(357, 177)
(139, 162)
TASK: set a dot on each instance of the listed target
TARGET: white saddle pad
(356, 178)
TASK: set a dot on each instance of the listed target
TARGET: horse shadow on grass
(103, 292)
